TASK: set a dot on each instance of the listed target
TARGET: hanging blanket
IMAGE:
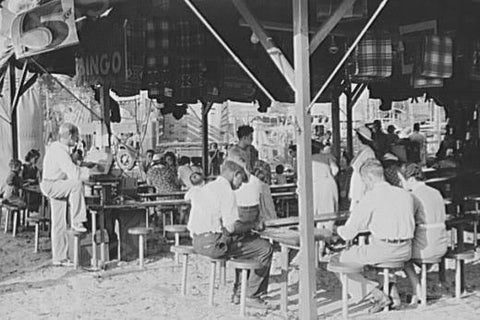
(437, 57)
(374, 57)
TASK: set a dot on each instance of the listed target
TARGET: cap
(364, 132)
(390, 156)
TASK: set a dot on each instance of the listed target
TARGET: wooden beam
(307, 306)
(329, 24)
(275, 53)
(336, 139)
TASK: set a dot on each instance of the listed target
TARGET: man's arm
(358, 220)
(69, 168)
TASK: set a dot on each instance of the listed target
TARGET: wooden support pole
(13, 121)
(336, 139)
(105, 103)
(307, 306)
(206, 106)
(349, 95)
(329, 24)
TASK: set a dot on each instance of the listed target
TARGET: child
(281, 179)
(13, 185)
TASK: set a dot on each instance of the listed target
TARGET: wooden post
(14, 124)
(348, 93)
(336, 140)
(307, 306)
(105, 103)
(206, 106)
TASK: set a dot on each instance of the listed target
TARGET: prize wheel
(125, 160)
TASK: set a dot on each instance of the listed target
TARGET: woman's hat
(364, 132)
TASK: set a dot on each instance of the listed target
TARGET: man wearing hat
(218, 231)
(357, 186)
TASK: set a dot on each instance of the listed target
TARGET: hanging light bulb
(333, 48)
(254, 39)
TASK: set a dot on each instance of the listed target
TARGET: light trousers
(58, 193)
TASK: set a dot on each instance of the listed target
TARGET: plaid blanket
(419, 82)
(374, 57)
(156, 76)
(437, 57)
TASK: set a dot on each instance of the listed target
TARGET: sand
(30, 288)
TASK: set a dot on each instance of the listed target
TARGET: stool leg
(385, 284)
(140, 249)
(171, 217)
(177, 242)
(223, 273)
(7, 220)
(441, 271)
(243, 292)
(37, 234)
(317, 254)
(184, 274)
(475, 234)
(423, 284)
(213, 266)
(458, 279)
(76, 250)
(15, 222)
(164, 222)
(344, 280)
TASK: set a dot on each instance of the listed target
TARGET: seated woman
(430, 239)
(30, 176)
(13, 185)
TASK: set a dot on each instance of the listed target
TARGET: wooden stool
(459, 257)
(176, 229)
(386, 266)
(166, 212)
(343, 269)
(141, 232)
(12, 210)
(185, 251)
(244, 265)
(76, 247)
(213, 266)
(37, 221)
(423, 276)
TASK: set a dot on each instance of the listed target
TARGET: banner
(44, 28)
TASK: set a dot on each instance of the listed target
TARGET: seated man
(430, 241)
(62, 178)
(217, 231)
(388, 213)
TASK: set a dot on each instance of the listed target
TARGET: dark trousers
(245, 246)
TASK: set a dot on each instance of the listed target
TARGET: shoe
(380, 304)
(63, 263)
(257, 303)
(79, 228)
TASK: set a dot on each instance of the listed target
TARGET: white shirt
(212, 206)
(58, 165)
(249, 193)
(386, 211)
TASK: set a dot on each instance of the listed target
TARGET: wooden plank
(329, 24)
(291, 221)
(307, 306)
(275, 53)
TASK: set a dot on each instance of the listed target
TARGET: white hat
(390, 156)
(365, 132)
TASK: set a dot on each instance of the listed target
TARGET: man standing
(388, 213)
(380, 140)
(420, 139)
(245, 147)
(62, 178)
(219, 232)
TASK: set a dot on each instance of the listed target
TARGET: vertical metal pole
(13, 89)
(336, 140)
(205, 110)
(307, 307)
(105, 103)
(349, 121)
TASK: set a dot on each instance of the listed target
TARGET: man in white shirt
(62, 179)
(420, 139)
(388, 213)
(217, 231)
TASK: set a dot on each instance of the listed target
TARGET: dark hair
(377, 124)
(391, 129)
(279, 169)
(183, 160)
(172, 155)
(34, 153)
(416, 126)
(15, 163)
(413, 170)
(244, 131)
(150, 151)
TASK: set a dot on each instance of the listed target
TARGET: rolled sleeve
(358, 220)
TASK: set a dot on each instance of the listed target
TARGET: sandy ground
(32, 289)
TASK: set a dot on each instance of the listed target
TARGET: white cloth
(58, 165)
(430, 241)
(386, 211)
(212, 206)
(357, 186)
(249, 193)
(325, 191)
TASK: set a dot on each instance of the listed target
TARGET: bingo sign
(98, 67)
(44, 28)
